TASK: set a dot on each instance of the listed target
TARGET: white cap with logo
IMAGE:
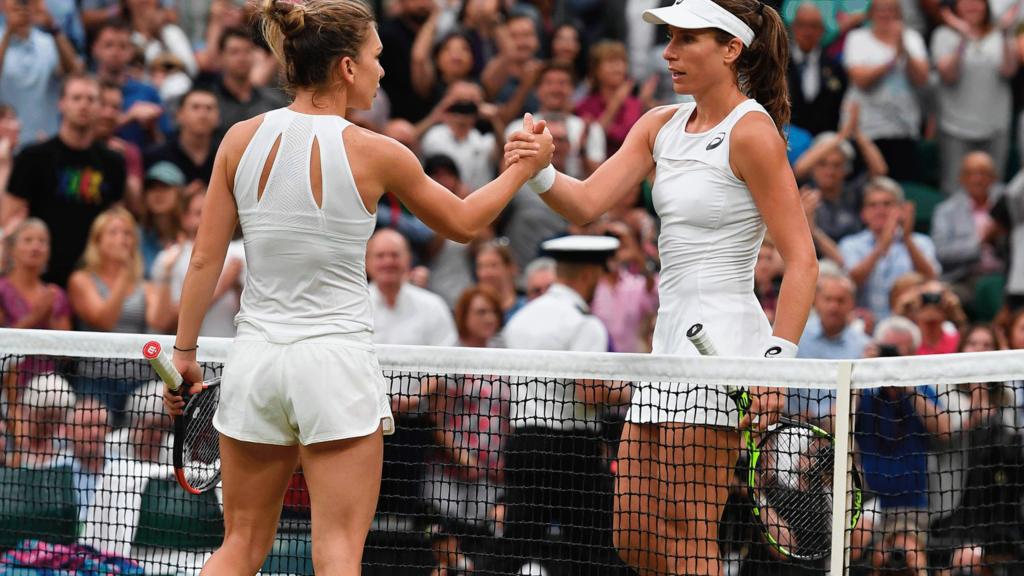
(698, 14)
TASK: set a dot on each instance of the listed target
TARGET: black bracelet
(196, 347)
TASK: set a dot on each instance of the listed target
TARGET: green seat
(292, 553)
(988, 297)
(37, 504)
(928, 162)
(925, 198)
(172, 518)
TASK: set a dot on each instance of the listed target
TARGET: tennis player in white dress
(302, 379)
(722, 179)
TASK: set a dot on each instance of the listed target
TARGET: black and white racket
(196, 441)
(789, 475)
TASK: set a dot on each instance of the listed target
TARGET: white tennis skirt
(313, 390)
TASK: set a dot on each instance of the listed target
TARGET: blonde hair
(91, 259)
(12, 239)
(606, 50)
(308, 38)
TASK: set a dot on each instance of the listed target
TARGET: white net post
(841, 469)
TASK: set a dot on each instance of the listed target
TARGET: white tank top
(711, 232)
(306, 273)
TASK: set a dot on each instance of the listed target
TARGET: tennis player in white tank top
(302, 380)
(722, 179)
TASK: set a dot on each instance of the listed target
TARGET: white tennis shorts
(313, 390)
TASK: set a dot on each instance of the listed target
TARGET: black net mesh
(525, 475)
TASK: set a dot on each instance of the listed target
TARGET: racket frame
(741, 397)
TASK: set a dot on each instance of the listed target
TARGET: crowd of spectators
(907, 139)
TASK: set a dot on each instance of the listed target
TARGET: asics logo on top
(716, 141)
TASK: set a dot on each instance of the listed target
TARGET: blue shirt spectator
(66, 17)
(30, 82)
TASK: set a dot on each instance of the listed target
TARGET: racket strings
(201, 449)
(793, 490)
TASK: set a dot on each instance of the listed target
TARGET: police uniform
(559, 489)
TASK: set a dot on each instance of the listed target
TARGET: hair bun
(290, 16)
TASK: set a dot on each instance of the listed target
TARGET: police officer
(558, 484)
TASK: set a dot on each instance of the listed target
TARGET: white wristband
(780, 348)
(543, 180)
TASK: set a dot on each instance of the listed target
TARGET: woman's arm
(422, 70)
(582, 202)
(90, 306)
(393, 168)
(758, 157)
(161, 313)
(1011, 56)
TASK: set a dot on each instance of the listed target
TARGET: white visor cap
(697, 14)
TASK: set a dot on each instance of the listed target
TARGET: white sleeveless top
(711, 232)
(306, 265)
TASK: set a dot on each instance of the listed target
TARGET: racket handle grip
(702, 342)
(162, 365)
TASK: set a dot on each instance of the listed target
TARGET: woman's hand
(765, 406)
(192, 381)
(533, 145)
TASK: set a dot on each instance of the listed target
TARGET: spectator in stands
(194, 146)
(26, 301)
(963, 230)
(567, 49)
(528, 221)
(893, 431)
(238, 98)
(108, 294)
(44, 408)
(112, 53)
(611, 103)
(627, 293)
(768, 277)
(105, 132)
(830, 334)
(87, 428)
(33, 59)
(474, 152)
(207, 23)
(496, 269)
(160, 225)
(10, 134)
(172, 264)
(555, 89)
(817, 82)
(398, 34)
(451, 264)
(905, 294)
(1008, 214)
(439, 63)
(470, 415)
(540, 275)
(510, 77)
(66, 181)
(838, 19)
(156, 34)
(888, 248)
(886, 63)
(141, 451)
(976, 60)
(979, 473)
(939, 316)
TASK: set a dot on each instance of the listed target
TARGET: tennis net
(506, 462)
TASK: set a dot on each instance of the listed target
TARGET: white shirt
(558, 320)
(418, 318)
(889, 109)
(219, 320)
(810, 77)
(474, 155)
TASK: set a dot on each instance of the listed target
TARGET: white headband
(697, 14)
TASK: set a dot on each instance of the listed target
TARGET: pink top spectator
(592, 107)
(946, 345)
(15, 307)
(623, 308)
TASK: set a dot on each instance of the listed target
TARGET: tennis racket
(789, 475)
(196, 441)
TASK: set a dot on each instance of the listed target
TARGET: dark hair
(989, 21)
(309, 38)
(115, 24)
(761, 67)
(192, 92)
(448, 38)
(440, 163)
(970, 329)
(234, 32)
(500, 246)
(552, 66)
(462, 306)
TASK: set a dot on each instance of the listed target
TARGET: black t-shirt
(396, 59)
(170, 151)
(67, 189)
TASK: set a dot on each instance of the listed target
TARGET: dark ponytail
(761, 67)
